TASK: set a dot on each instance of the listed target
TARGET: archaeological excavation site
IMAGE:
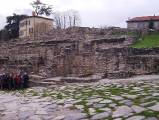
(80, 73)
(80, 52)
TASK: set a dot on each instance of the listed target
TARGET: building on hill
(34, 25)
(144, 23)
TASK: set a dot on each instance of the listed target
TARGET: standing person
(9, 79)
(1, 82)
(25, 80)
(5, 81)
(22, 79)
(18, 81)
(12, 80)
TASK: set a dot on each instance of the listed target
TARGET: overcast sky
(94, 13)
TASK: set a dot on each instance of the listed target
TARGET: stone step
(44, 84)
(78, 80)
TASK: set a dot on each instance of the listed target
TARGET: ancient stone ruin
(79, 51)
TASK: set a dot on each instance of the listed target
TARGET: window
(31, 30)
(22, 24)
(21, 33)
(28, 22)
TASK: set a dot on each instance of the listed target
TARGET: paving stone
(137, 89)
(92, 111)
(155, 107)
(10, 116)
(122, 111)
(106, 101)
(138, 109)
(128, 115)
(2, 107)
(75, 116)
(147, 103)
(47, 117)
(80, 107)
(51, 107)
(136, 118)
(118, 119)
(12, 106)
(41, 112)
(23, 115)
(126, 102)
(113, 105)
(26, 108)
(100, 116)
(95, 100)
(106, 109)
(68, 106)
(35, 117)
(59, 117)
(130, 96)
(61, 102)
(155, 94)
(97, 105)
(151, 118)
(117, 98)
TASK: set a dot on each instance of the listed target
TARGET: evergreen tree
(11, 29)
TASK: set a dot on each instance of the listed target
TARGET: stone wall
(70, 56)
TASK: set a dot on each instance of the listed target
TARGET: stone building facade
(34, 25)
(144, 23)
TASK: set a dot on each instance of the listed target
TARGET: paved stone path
(105, 100)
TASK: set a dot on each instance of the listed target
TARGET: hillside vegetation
(148, 41)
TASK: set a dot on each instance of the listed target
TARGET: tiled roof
(39, 17)
(144, 18)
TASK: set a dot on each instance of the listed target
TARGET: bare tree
(67, 19)
(57, 19)
(74, 18)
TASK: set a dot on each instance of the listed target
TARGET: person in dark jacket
(5, 81)
(12, 80)
(9, 81)
(1, 81)
(25, 78)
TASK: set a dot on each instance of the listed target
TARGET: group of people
(14, 81)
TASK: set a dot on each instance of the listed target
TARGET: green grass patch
(148, 41)
(137, 101)
(59, 96)
(117, 91)
(86, 108)
(99, 110)
(150, 114)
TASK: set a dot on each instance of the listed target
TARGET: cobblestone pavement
(120, 100)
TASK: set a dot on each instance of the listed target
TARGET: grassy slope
(148, 41)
